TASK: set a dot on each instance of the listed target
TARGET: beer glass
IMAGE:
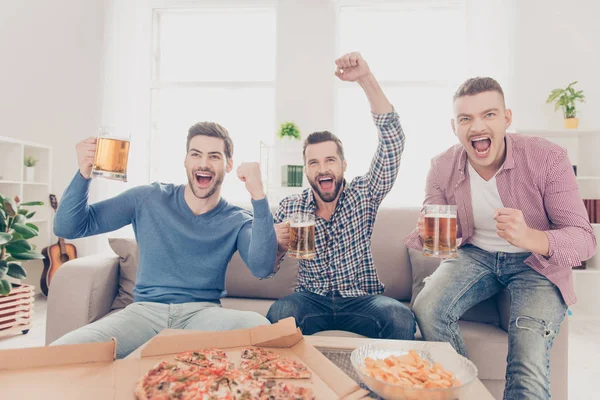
(112, 151)
(440, 231)
(302, 237)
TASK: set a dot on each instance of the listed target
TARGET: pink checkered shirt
(536, 178)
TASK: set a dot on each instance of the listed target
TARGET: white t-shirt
(485, 199)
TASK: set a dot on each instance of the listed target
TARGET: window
(216, 65)
(417, 51)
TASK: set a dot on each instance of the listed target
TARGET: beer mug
(440, 231)
(112, 151)
(302, 237)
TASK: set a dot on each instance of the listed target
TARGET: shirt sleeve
(572, 238)
(433, 195)
(257, 242)
(76, 218)
(386, 162)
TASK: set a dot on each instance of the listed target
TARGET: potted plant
(291, 175)
(565, 99)
(30, 162)
(15, 233)
(289, 130)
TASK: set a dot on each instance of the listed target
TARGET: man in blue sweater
(186, 234)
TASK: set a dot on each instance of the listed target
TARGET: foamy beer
(112, 151)
(302, 237)
(440, 231)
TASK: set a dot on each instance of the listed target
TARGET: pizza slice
(243, 386)
(252, 356)
(285, 391)
(165, 380)
(212, 388)
(214, 361)
(281, 369)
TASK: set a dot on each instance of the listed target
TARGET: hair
(473, 86)
(211, 129)
(320, 137)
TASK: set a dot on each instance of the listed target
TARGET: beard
(205, 193)
(327, 197)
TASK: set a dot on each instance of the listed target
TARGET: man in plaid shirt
(339, 288)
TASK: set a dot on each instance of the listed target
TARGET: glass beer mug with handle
(302, 237)
(439, 227)
(112, 151)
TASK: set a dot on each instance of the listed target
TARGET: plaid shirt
(344, 262)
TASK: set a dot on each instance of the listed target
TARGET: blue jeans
(139, 322)
(371, 316)
(536, 311)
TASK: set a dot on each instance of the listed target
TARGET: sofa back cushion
(128, 252)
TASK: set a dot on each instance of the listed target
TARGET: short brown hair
(473, 86)
(320, 137)
(211, 129)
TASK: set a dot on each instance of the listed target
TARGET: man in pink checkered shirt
(522, 225)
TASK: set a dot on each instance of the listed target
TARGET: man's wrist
(367, 80)
(258, 195)
(538, 242)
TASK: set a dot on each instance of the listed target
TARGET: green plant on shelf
(15, 233)
(289, 130)
(565, 99)
(30, 161)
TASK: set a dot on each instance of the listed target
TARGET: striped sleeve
(572, 238)
(386, 163)
(433, 195)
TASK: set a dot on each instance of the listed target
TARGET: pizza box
(90, 371)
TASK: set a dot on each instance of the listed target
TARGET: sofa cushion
(240, 282)
(423, 266)
(128, 252)
(389, 252)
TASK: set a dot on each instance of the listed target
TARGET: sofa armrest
(82, 291)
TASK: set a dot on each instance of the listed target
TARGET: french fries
(410, 370)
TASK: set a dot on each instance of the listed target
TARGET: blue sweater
(183, 257)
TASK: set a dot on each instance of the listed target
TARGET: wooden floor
(584, 350)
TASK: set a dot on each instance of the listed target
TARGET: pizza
(285, 391)
(281, 369)
(208, 375)
(165, 380)
(253, 356)
(214, 360)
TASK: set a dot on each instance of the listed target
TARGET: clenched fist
(352, 67)
(282, 231)
(86, 151)
(249, 173)
(511, 226)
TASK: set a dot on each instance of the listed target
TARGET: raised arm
(75, 218)
(386, 163)
(257, 242)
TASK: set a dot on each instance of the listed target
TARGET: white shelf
(10, 182)
(35, 183)
(561, 133)
(589, 271)
(37, 221)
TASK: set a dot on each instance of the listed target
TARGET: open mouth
(326, 183)
(204, 179)
(482, 146)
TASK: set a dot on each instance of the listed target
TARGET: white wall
(51, 74)
(556, 42)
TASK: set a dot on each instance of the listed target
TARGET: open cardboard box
(90, 371)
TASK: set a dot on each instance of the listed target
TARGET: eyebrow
(210, 152)
(483, 112)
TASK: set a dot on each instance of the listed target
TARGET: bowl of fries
(398, 372)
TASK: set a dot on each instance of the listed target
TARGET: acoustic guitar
(55, 255)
